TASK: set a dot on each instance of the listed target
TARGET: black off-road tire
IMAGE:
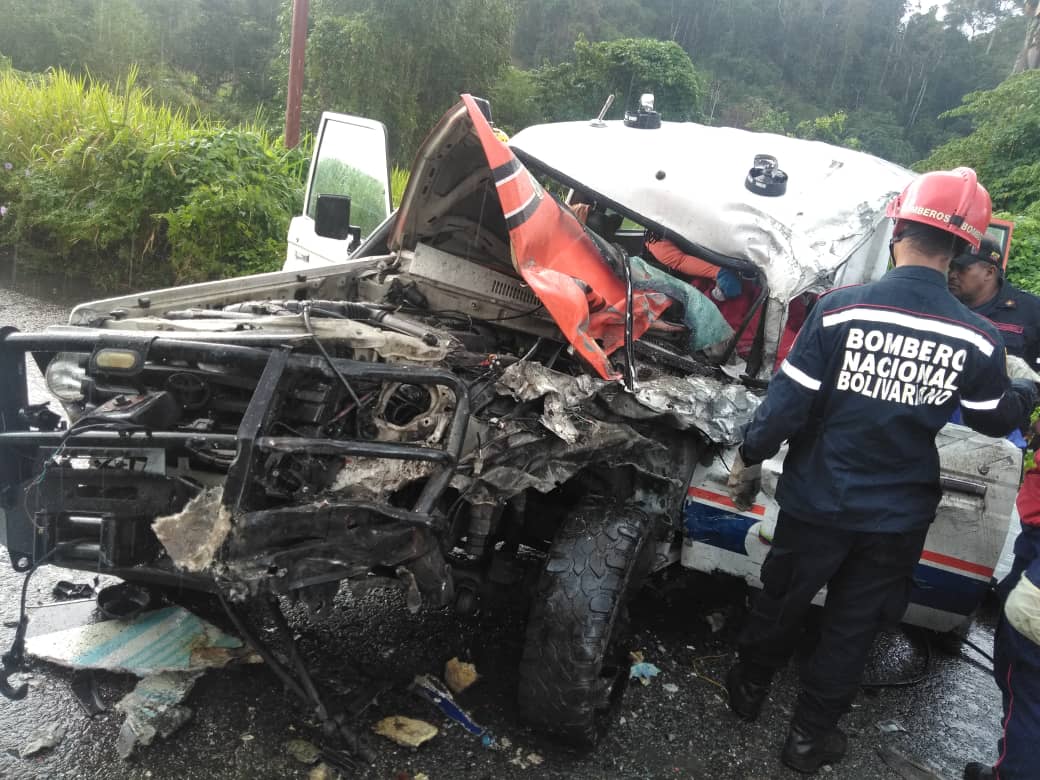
(575, 666)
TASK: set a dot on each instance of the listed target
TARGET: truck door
(350, 158)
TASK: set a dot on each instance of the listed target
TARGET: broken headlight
(65, 375)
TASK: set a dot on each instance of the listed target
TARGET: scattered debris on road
(303, 751)
(409, 732)
(44, 739)
(153, 709)
(641, 670)
(460, 675)
(891, 727)
(65, 590)
(433, 690)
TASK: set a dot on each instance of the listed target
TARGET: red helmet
(953, 201)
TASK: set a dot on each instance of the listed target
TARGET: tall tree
(403, 61)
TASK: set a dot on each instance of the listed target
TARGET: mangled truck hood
(468, 194)
(688, 181)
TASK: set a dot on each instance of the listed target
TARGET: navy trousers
(1016, 667)
(868, 579)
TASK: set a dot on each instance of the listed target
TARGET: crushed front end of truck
(483, 382)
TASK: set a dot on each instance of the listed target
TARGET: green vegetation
(175, 174)
(100, 183)
(1002, 147)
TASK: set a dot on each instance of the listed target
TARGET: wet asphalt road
(242, 719)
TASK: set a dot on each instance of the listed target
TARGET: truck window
(352, 161)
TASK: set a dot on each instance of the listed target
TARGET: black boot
(746, 696)
(977, 771)
(806, 752)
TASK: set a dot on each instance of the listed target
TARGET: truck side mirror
(332, 218)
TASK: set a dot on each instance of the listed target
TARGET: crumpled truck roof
(687, 180)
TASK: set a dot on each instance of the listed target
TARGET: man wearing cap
(977, 280)
(876, 371)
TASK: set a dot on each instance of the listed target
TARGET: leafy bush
(1002, 147)
(107, 186)
(1024, 258)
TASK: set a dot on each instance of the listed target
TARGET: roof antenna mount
(598, 121)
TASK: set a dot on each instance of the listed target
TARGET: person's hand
(727, 284)
(580, 211)
(744, 482)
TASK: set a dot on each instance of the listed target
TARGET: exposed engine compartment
(388, 431)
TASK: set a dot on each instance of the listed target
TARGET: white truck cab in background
(351, 162)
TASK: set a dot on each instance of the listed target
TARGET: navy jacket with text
(876, 371)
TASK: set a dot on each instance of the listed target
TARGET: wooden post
(297, 50)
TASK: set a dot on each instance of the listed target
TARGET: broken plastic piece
(431, 689)
(84, 688)
(123, 601)
(153, 709)
(671, 687)
(166, 640)
(643, 672)
(409, 732)
(63, 589)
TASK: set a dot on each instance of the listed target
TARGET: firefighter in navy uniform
(977, 280)
(875, 372)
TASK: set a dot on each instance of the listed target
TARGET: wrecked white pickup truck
(483, 376)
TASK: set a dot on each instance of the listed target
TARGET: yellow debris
(405, 731)
(459, 675)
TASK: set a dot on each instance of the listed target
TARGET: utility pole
(297, 50)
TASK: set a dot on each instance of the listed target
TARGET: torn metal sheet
(153, 709)
(562, 393)
(526, 381)
(166, 640)
(720, 411)
(193, 536)
(525, 461)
